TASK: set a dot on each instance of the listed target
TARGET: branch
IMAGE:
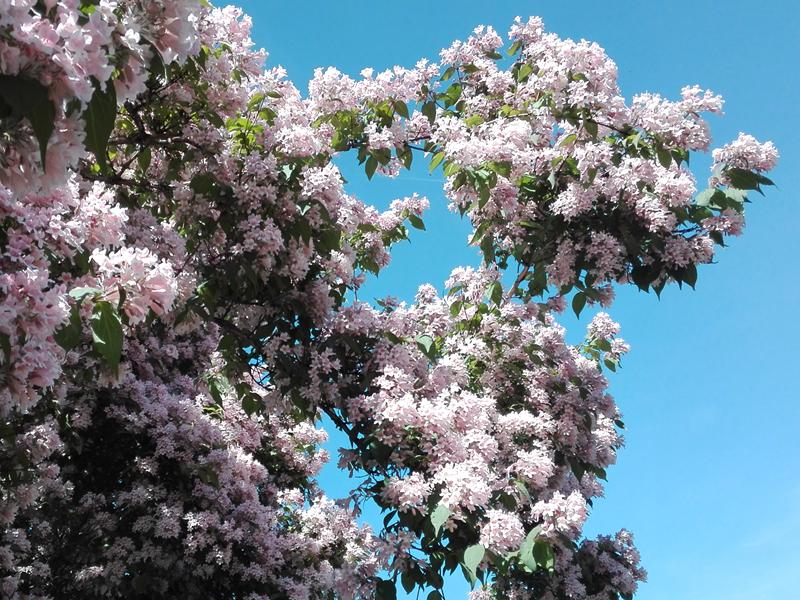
(520, 278)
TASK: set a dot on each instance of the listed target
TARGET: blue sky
(708, 480)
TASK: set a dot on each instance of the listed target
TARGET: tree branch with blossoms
(179, 259)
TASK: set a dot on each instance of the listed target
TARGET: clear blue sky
(708, 481)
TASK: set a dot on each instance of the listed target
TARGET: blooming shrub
(179, 256)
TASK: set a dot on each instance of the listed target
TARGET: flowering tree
(179, 257)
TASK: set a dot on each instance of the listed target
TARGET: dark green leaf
(543, 553)
(5, 344)
(69, 335)
(100, 116)
(251, 404)
(106, 333)
(385, 590)
(144, 159)
(690, 274)
(416, 222)
(578, 302)
(664, 157)
(408, 580)
(371, 167)
(29, 99)
(401, 108)
(42, 119)
(429, 110)
(405, 155)
(742, 178)
(495, 292)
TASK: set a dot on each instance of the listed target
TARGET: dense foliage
(178, 262)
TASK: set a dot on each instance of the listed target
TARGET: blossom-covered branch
(178, 263)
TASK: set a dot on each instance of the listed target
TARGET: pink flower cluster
(481, 406)
(747, 153)
(200, 478)
(556, 171)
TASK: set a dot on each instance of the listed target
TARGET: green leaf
(429, 110)
(578, 302)
(409, 581)
(524, 72)
(514, 48)
(764, 180)
(437, 158)
(487, 247)
(401, 108)
(543, 553)
(144, 159)
(69, 335)
(742, 178)
(452, 94)
(388, 518)
(474, 120)
(252, 404)
(495, 292)
(523, 489)
(450, 168)
(42, 118)
(704, 197)
(5, 344)
(738, 196)
(100, 116)
(472, 558)
(664, 157)
(385, 590)
(416, 222)
(566, 140)
(29, 99)
(455, 308)
(439, 517)
(329, 239)
(435, 595)
(370, 168)
(202, 183)
(590, 127)
(79, 293)
(526, 549)
(690, 274)
(405, 155)
(106, 333)
(426, 345)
